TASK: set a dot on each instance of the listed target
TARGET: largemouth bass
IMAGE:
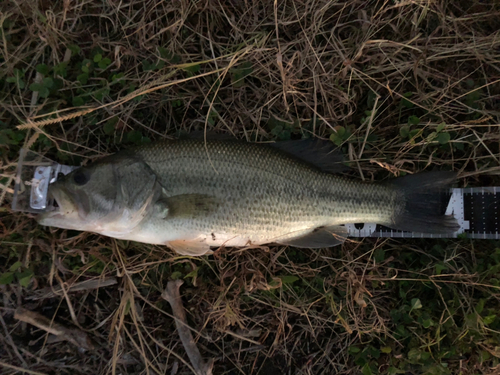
(192, 195)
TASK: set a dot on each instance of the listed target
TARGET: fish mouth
(60, 211)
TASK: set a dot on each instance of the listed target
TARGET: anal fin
(318, 238)
(195, 247)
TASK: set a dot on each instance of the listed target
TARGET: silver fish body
(192, 195)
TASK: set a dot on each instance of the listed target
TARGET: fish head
(109, 197)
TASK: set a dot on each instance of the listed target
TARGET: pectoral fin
(190, 247)
(318, 238)
(186, 206)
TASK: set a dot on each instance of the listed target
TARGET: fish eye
(80, 178)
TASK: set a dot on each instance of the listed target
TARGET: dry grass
(258, 70)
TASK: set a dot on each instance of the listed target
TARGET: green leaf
(487, 320)
(36, 87)
(288, 279)
(24, 277)
(83, 78)
(443, 138)
(101, 93)
(336, 139)
(126, 311)
(87, 65)
(404, 131)
(386, 349)
(109, 126)
(61, 69)
(413, 120)
(17, 80)
(484, 356)
(432, 136)
(42, 69)
(75, 50)
(78, 101)
(353, 350)
(147, 65)
(405, 102)
(374, 352)
(414, 355)
(470, 83)
(471, 99)
(117, 77)
(19, 75)
(416, 304)
(439, 268)
(40, 88)
(6, 278)
(239, 73)
(440, 127)
(97, 58)
(134, 136)
(48, 82)
(44, 93)
(413, 133)
(379, 255)
(194, 68)
(15, 266)
(193, 274)
(104, 63)
(5, 137)
(340, 131)
(160, 64)
(370, 100)
(393, 371)
(426, 323)
(176, 275)
(164, 53)
(480, 306)
(175, 59)
(366, 370)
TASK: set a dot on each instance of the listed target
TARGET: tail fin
(426, 197)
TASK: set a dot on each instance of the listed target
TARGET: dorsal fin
(321, 154)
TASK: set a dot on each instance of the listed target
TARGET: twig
(20, 369)
(8, 337)
(74, 336)
(173, 297)
(51, 292)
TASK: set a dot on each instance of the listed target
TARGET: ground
(401, 86)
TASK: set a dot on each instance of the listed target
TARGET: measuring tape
(476, 211)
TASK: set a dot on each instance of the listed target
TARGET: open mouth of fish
(54, 203)
(56, 207)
